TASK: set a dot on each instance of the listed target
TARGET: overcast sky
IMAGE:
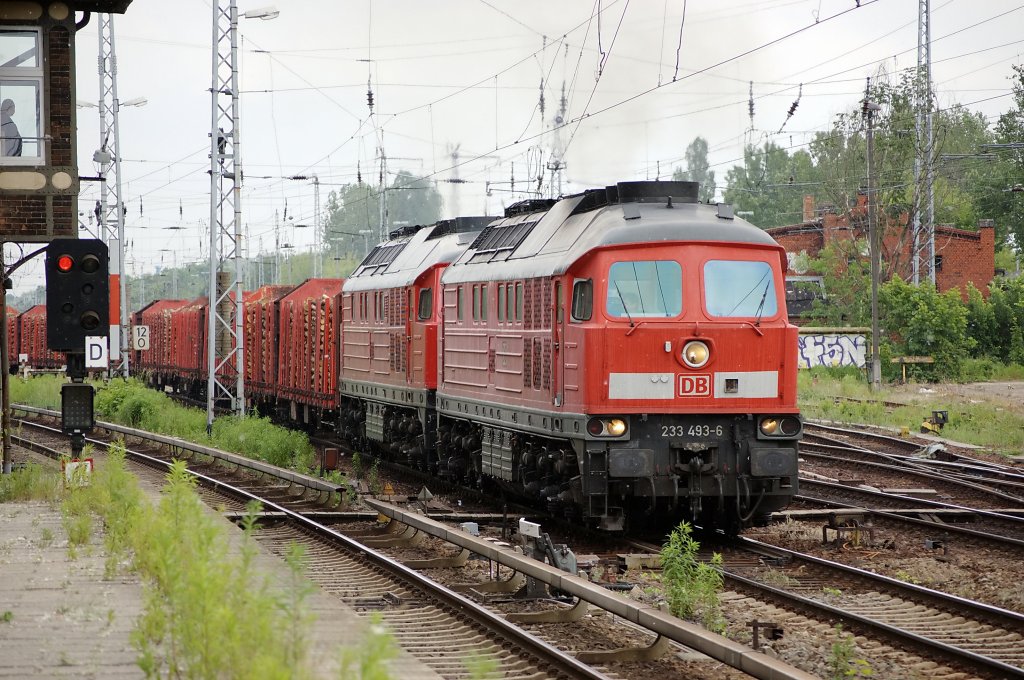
(467, 73)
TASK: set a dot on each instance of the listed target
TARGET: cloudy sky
(466, 75)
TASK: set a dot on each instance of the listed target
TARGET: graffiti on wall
(832, 349)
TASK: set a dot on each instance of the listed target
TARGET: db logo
(695, 386)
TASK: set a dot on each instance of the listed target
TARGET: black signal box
(76, 408)
(77, 293)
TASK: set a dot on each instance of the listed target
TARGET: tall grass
(846, 397)
(30, 483)
(130, 403)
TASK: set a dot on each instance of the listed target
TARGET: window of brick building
(938, 263)
(21, 88)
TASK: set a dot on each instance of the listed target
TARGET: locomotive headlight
(770, 426)
(616, 427)
(695, 354)
(607, 427)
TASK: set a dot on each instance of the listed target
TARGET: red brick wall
(967, 256)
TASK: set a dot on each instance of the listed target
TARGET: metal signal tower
(924, 172)
(556, 163)
(225, 350)
(111, 208)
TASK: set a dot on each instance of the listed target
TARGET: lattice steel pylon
(224, 342)
(924, 171)
(111, 209)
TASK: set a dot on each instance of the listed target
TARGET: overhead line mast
(111, 208)
(224, 346)
(924, 172)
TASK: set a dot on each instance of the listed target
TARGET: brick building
(961, 256)
(39, 180)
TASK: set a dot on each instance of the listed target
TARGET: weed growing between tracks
(691, 586)
(842, 660)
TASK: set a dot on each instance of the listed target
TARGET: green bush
(922, 322)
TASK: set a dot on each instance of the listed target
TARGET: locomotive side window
(582, 300)
(426, 306)
(510, 305)
(458, 304)
(476, 303)
(519, 301)
(483, 302)
(739, 288)
(501, 302)
(645, 289)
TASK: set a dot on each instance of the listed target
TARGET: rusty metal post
(5, 398)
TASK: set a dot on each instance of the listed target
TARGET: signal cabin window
(739, 289)
(645, 289)
(501, 302)
(21, 87)
(582, 300)
(519, 301)
(426, 305)
(458, 303)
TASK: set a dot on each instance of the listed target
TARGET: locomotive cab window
(426, 306)
(645, 289)
(739, 289)
(582, 300)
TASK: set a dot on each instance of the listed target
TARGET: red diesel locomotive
(623, 355)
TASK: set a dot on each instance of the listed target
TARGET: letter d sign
(96, 351)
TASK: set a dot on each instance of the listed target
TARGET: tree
(1007, 206)
(352, 225)
(698, 169)
(769, 185)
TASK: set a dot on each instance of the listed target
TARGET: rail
(716, 646)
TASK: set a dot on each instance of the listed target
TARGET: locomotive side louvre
(595, 409)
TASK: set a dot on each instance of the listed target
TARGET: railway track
(987, 642)
(437, 626)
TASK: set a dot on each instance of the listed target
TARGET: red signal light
(65, 263)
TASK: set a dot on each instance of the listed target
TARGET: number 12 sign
(140, 337)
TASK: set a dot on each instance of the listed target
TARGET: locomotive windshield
(645, 289)
(739, 288)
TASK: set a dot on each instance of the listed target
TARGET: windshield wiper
(623, 301)
(760, 307)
